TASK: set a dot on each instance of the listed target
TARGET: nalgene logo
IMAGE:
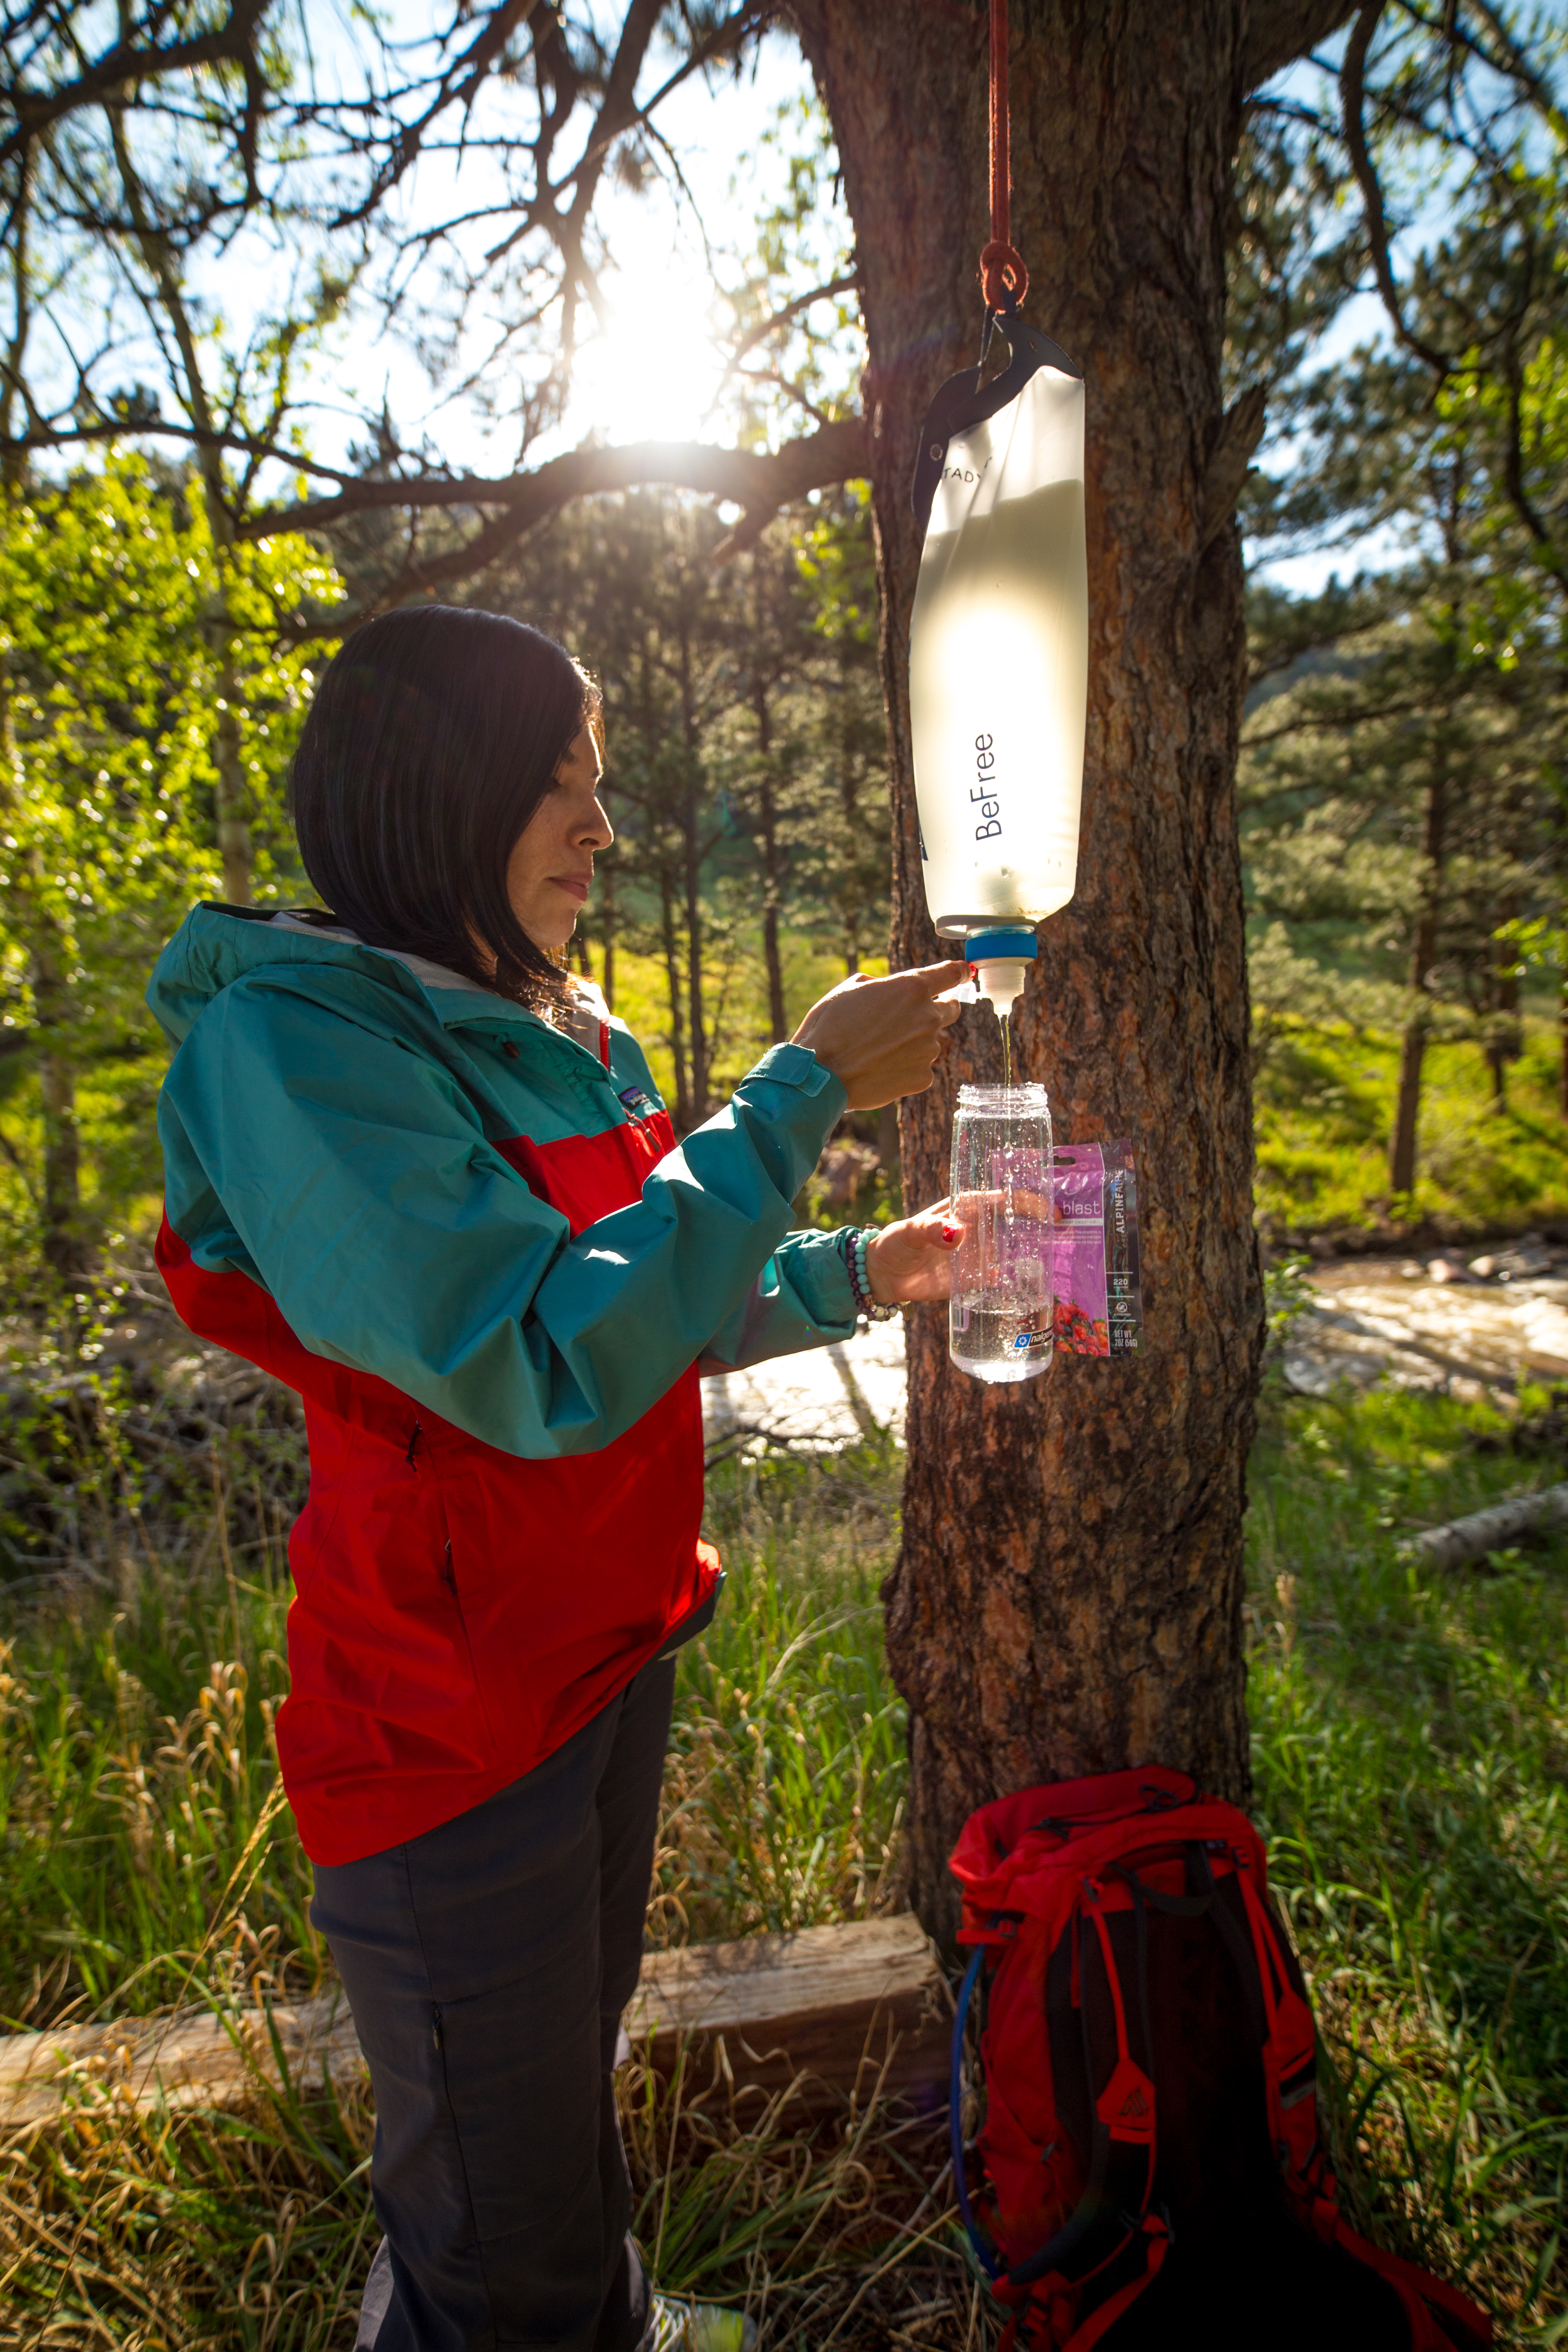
(983, 793)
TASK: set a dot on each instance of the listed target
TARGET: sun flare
(650, 375)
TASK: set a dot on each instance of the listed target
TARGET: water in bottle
(1000, 1312)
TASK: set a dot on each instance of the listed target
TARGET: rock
(1447, 1269)
(1483, 1268)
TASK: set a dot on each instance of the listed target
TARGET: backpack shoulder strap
(1463, 2326)
(1113, 2211)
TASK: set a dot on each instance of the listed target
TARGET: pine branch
(1353, 94)
(233, 43)
(759, 482)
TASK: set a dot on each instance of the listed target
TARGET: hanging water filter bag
(999, 654)
(1001, 1307)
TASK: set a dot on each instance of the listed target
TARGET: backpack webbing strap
(1108, 2313)
(1418, 2290)
(1114, 2207)
(985, 2253)
(1238, 1937)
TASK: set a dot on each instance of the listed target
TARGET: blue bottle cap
(1014, 945)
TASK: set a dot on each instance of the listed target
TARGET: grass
(1411, 1745)
(1410, 1762)
(1324, 1104)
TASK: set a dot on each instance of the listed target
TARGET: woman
(420, 1177)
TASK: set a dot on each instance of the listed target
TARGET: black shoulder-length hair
(434, 735)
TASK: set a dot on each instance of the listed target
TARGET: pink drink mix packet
(1099, 1302)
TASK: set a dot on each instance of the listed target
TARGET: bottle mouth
(1020, 1099)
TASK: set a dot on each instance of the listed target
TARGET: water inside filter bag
(999, 664)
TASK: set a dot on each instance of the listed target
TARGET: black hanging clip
(961, 402)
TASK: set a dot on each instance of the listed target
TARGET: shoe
(676, 2325)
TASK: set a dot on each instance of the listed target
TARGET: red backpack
(1151, 2118)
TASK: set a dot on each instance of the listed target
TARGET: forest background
(1403, 783)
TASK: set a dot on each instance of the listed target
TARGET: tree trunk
(234, 841)
(1067, 1598)
(1422, 956)
(692, 876)
(1407, 1105)
(607, 927)
(1505, 1043)
(768, 823)
(683, 1119)
(232, 827)
(63, 1243)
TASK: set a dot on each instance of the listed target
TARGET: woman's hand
(913, 1258)
(880, 1038)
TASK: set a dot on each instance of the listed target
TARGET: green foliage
(110, 702)
(1409, 1754)
(106, 583)
(1324, 1107)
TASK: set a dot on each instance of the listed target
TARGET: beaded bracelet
(853, 1240)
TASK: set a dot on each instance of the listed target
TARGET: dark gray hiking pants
(486, 1965)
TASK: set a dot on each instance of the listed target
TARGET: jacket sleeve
(356, 1184)
(801, 1298)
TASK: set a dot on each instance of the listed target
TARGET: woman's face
(551, 864)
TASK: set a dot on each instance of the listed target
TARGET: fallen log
(1472, 1537)
(832, 2010)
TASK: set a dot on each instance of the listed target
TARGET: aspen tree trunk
(1067, 1598)
(232, 827)
(64, 1244)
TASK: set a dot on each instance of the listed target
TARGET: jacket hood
(216, 945)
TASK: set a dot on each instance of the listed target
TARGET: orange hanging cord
(1002, 277)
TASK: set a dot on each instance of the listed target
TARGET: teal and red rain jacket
(470, 1241)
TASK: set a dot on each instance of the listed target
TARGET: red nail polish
(950, 1232)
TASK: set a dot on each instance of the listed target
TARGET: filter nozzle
(998, 960)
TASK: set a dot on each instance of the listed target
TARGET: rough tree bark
(1068, 1594)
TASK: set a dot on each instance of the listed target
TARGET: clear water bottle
(1000, 1313)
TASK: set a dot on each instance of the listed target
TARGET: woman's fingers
(880, 1038)
(913, 1258)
